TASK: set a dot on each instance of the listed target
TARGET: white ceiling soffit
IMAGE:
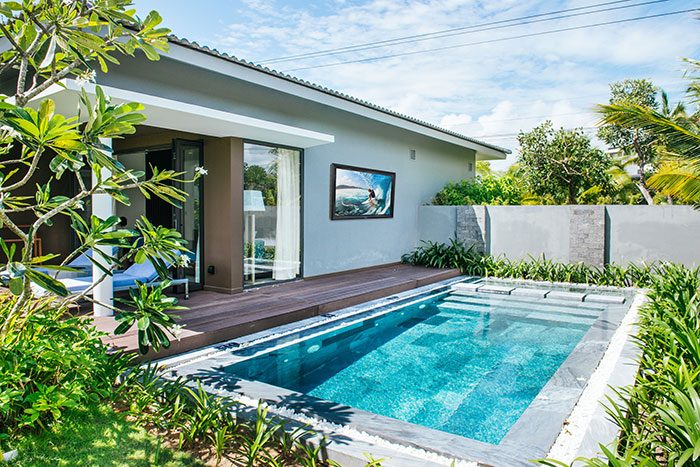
(488, 154)
(180, 116)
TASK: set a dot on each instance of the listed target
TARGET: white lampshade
(253, 200)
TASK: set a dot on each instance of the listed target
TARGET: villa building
(273, 145)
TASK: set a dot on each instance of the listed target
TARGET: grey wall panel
(654, 233)
(519, 231)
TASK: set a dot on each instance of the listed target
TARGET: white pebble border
(567, 444)
(353, 434)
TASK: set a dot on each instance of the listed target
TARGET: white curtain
(286, 265)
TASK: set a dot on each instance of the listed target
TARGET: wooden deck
(214, 317)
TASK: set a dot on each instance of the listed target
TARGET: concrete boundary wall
(595, 235)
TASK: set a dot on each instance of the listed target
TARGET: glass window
(272, 214)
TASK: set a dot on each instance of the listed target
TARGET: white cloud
(491, 89)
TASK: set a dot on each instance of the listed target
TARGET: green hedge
(456, 255)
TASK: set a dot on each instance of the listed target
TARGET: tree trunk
(641, 162)
(572, 194)
(645, 193)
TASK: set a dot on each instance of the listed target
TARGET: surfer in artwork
(372, 197)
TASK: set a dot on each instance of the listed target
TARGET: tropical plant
(677, 135)
(259, 436)
(482, 189)
(456, 254)
(561, 163)
(636, 144)
(51, 364)
(147, 308)
(48, 41)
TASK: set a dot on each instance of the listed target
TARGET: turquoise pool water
(467, 364)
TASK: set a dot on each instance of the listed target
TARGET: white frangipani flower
(87, 77)
(184, 261)
(9, 131)
(176, 330)
(201, 171)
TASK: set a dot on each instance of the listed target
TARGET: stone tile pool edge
(547, 412)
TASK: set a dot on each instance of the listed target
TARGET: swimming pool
(483, 363)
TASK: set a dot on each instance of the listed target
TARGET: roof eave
(253, 73)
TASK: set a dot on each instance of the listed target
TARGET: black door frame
(177, 145)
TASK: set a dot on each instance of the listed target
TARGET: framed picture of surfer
(358, 193)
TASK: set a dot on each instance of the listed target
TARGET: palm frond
(676, 137)
(681, 181)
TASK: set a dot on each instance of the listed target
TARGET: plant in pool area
(256, 438)
(441, 255)
(309, 456)
(147, 308)
(456, 255)
(220, 439)
(372, 462)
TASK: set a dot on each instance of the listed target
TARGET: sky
(497, 85)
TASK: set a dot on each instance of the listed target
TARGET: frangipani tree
(49, 40)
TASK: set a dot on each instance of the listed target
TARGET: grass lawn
(95, 436)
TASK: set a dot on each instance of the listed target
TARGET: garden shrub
(48, 363)
(487, 189)
(456, 255)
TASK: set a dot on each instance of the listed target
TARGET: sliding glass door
(272, 214)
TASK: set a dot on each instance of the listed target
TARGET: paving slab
(468, 287)
(534, 293)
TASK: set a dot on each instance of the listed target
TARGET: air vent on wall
(412, 154)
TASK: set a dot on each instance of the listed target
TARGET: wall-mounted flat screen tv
(358, 193)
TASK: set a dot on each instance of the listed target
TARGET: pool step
(525, 314)
(520, 308)
(477, 287)
(522, 301)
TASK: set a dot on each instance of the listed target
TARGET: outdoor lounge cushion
(144, 272)
(82, 263)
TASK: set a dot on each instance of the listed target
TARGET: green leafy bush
(487, 189)
(51, 362)
(468, 261)
(186, 410)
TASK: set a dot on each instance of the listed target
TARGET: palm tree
(677, 136)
